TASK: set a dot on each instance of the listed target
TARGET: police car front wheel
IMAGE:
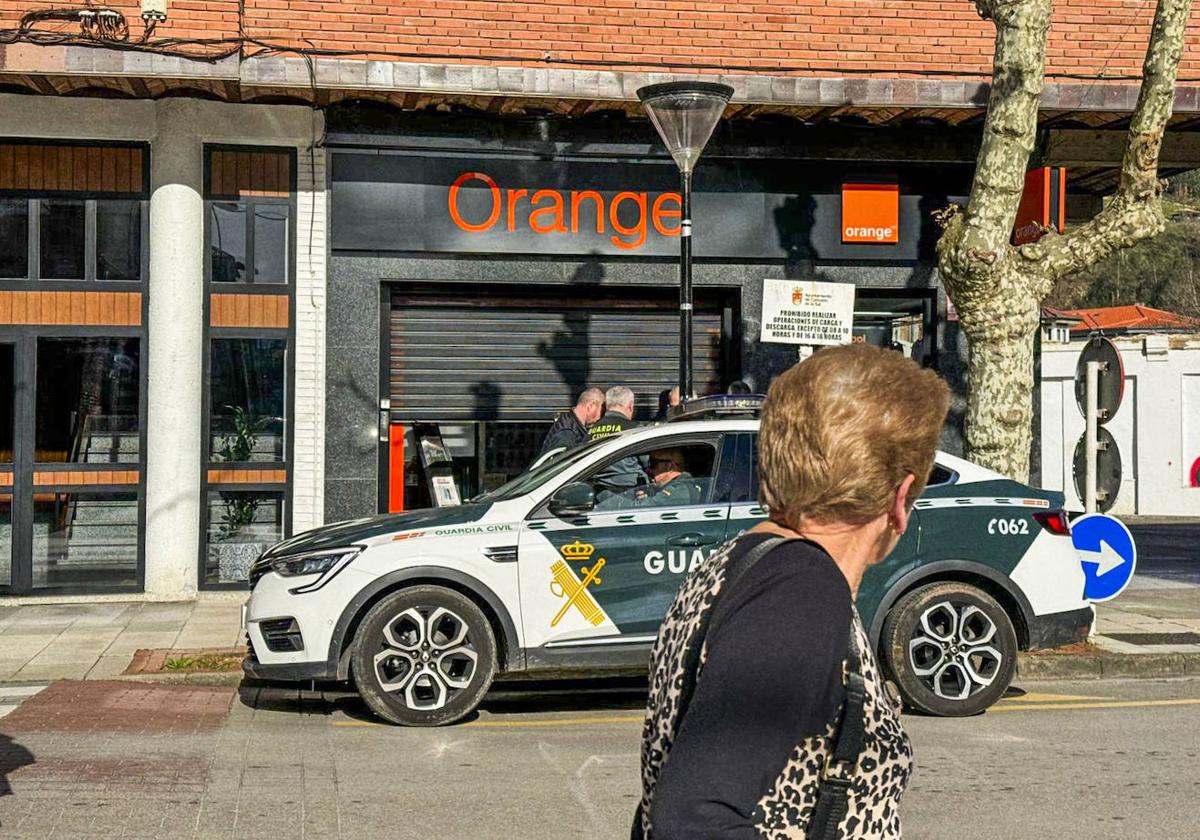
(951, 648)
(424, 656)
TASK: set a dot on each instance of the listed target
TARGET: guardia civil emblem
(565, 583)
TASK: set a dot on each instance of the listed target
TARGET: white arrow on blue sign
(1108, 555)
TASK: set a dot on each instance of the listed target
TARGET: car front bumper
(1062, 628)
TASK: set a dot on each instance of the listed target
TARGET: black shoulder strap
(834, 792)
(734, 569)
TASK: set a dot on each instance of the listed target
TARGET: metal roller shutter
(456, 357)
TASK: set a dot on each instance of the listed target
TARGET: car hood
(359, 530)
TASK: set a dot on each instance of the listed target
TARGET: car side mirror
(573, 499)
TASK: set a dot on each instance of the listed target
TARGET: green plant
(238, 445)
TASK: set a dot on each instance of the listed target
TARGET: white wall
(1157, 427)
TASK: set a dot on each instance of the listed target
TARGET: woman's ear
(899, 513)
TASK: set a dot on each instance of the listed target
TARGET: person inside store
(670, 485)
(787, 727)
(570, 429)
(618, 417)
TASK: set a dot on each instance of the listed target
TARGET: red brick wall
(186, 18)
(817, 37)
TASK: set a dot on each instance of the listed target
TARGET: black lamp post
(685, 114)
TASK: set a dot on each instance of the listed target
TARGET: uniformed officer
(618, 416)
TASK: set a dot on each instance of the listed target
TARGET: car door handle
(691, 540)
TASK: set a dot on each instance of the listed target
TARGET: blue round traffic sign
(1107, 554)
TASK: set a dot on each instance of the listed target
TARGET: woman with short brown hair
(768, 716)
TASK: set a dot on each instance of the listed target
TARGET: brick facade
(1089, 38)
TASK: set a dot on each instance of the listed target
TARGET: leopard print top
(785, 809)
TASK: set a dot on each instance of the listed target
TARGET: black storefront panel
(498, 357)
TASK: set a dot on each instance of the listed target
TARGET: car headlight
(326, 563)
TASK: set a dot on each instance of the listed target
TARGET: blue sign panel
(1108, 555)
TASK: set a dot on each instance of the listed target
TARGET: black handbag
(834, 791)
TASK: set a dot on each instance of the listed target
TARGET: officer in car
(670, 485)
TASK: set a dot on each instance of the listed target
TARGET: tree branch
(1135, 212)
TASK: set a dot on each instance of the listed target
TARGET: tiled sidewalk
(95, 641)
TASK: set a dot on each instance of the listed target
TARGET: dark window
(85, 539)
(62, 240)
(118, 240)
(940, 475)
(659, 474)
(241, 525)
(8, 403)
(247, 399)
(227, 241)
(271, 223)
(87, 400)
(14, 237)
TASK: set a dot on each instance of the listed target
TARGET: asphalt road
(1066, 760)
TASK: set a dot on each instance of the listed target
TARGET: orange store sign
(625, 216)
(871, 213)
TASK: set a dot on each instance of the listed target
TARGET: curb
(1107, 666)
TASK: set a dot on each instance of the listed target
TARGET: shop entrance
(70, 463)
(493, 368)
(898, 319)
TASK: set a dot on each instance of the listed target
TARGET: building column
(174, 353)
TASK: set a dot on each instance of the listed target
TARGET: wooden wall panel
(59, 168)
(107, 309)
(269, 311)
(247, 476)
(6, 479)
(51, 478)
(252, 172)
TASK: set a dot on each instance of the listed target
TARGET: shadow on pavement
(13, 756)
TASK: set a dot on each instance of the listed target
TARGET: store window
(80, 209)
(85, 539)
(6, 539)
(246, 399)
(87, 400)
(14, 238)
(8, 403)
(241, 525)
(250, 235)
(62, 231)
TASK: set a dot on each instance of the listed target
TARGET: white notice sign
(807, 312)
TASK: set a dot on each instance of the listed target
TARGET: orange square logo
(871, 213)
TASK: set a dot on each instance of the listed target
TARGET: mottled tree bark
(997, 287)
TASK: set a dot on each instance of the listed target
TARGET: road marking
(1035, 697)
(520, 724)
(1115, 704)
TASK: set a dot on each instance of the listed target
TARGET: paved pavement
(84, 759)
(42, 642)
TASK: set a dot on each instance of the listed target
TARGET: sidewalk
(96, 641)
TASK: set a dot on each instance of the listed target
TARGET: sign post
(1099, 387)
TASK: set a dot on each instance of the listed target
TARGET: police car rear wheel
(424, 656)
(951, 649)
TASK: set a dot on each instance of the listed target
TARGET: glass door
(70, 464)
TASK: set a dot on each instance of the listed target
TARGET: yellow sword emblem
(566, 585)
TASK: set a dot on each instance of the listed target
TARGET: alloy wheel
(952, 650)
(427, 657)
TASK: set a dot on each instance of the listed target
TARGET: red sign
(1043, 204)
(870, 213)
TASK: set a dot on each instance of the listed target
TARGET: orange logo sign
(1042, 204)
(870, 213)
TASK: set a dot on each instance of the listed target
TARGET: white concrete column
(174, 351)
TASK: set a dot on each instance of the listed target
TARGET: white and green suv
(569, 568)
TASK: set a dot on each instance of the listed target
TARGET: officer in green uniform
(671, 485)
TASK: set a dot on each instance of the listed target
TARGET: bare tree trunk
(997, 287)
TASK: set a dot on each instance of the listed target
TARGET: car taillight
(1055, 521)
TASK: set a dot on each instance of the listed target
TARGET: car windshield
(534, 478)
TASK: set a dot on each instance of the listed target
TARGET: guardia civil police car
(564, 570)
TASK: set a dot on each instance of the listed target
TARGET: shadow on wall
(564, 349)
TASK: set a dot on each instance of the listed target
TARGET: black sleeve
(773, 677)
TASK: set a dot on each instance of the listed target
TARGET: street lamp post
(685, 114)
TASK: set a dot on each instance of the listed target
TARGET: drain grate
(1156, 638)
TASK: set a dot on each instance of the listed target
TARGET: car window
(657, 474)
(528, 481)
(940, 475)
